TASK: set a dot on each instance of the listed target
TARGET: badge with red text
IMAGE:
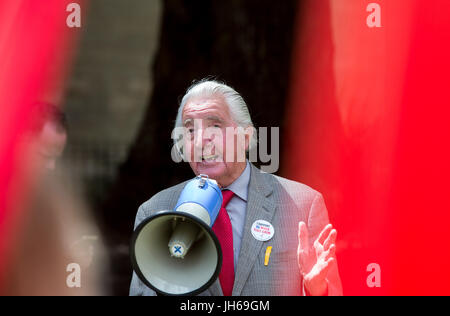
(262, 230)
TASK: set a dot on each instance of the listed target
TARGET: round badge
(262, 230)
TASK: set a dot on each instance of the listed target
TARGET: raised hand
(315, 261)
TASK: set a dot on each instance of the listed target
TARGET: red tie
(224, 232)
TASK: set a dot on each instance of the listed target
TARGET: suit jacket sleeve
(137, 287)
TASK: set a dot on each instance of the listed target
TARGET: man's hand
(314, 262)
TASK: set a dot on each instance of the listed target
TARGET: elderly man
(299, 258)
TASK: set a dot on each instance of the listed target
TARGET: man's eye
(216, 125)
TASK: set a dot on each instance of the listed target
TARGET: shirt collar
(240, 185)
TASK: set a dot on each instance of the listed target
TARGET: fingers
(324, 234)
(303, 238)
(320, 271)
(327, 236)
(331, 239)
(330, 253)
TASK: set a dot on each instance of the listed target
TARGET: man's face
(211, 142)
(51, 143)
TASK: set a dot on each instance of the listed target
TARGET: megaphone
(176, 252)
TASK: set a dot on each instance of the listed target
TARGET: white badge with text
(262, 230)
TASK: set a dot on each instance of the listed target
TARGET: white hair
(210, 88)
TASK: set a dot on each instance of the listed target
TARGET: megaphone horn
(176, 252)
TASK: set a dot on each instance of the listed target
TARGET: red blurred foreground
(34, 46)
(369, 128)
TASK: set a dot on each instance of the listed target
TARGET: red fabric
(35, 45)
(367, 126)
(224, 232)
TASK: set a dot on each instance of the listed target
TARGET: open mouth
(209, 158)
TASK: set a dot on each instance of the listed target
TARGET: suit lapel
(259, 207)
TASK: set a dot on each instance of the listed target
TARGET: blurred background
(362, 110)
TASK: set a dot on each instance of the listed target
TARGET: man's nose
(201, 138)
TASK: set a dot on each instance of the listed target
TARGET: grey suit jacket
(279, 201)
